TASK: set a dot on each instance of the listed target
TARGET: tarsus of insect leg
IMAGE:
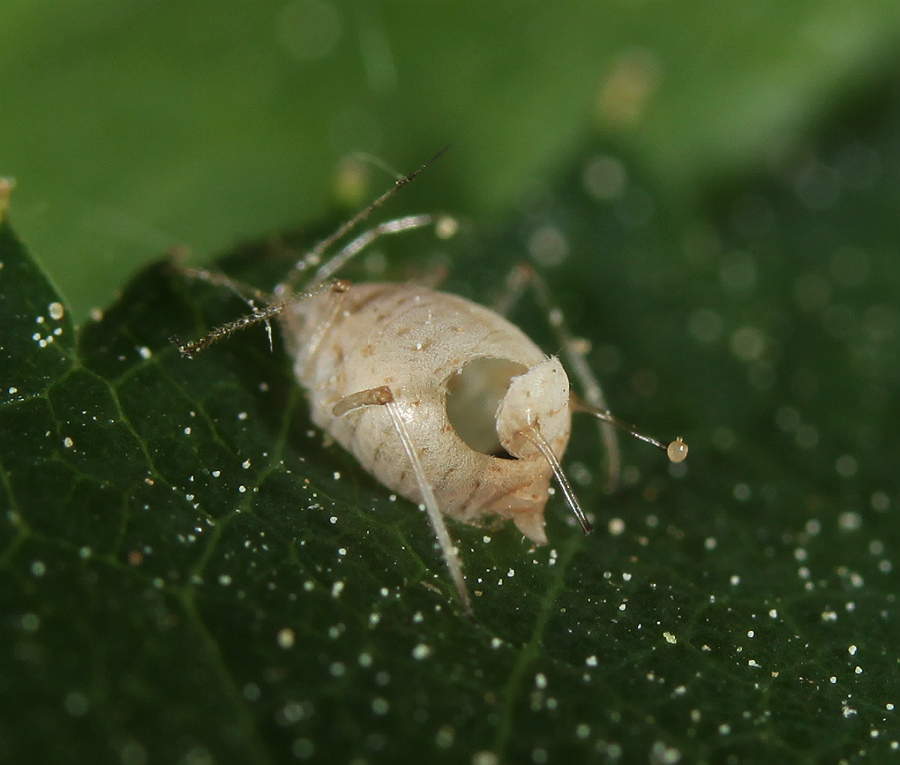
(676, 450)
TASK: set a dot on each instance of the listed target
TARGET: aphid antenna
(676, 450)
(314, 256)
(376, 161)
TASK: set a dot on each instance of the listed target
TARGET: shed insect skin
(444, 401)
(418, 343)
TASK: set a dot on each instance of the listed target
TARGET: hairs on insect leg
(250, 295)
(258, 316)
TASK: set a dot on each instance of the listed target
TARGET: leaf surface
(191, 573)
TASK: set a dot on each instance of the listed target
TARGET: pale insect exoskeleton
(442, 400)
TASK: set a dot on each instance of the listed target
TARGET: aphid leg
(249, 294)
(535, 437)
(383, 396)
(396, 226)
(676, 451)
(445, 227)
(519, 279)
(257, 316)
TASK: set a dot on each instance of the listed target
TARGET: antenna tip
(677, 451)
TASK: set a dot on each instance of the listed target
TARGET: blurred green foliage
(132, 127)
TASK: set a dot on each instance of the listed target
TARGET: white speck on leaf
(422, 651)
(286, 638)
(849, 521)
(484, 758)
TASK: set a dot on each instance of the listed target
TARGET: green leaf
(190, 573)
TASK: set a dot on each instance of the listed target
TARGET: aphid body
(472, 389)
(442, 400)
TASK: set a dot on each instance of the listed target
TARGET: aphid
(442, 400)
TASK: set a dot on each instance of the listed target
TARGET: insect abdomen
(414, 340)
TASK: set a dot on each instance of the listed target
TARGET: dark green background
(195, 577)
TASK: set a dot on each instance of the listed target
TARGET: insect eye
(474, 394)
